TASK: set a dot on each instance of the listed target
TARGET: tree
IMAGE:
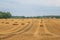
(5, 14)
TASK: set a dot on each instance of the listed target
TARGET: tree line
(9, 15)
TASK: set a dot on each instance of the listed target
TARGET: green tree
(5, 14)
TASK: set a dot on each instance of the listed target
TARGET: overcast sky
(31, 7)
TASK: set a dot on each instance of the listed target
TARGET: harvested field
(30, 29)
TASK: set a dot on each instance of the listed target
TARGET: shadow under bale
(41, 26)
(22, 23)
(7, 23)
(2, 22)
(15, 24)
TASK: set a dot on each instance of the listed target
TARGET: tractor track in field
(21, 31)
(36, 27)
(54, 35)
(45, 32)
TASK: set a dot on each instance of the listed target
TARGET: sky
(31, 7)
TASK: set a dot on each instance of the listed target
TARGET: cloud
(49, 3)
(35, 2)
(40, 2)
(31, 7)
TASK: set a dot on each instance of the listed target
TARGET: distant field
(30, 29)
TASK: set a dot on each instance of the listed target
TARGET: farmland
(30, 29)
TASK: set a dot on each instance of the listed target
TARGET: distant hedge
(51, 16)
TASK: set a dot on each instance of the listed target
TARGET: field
(30, 29)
